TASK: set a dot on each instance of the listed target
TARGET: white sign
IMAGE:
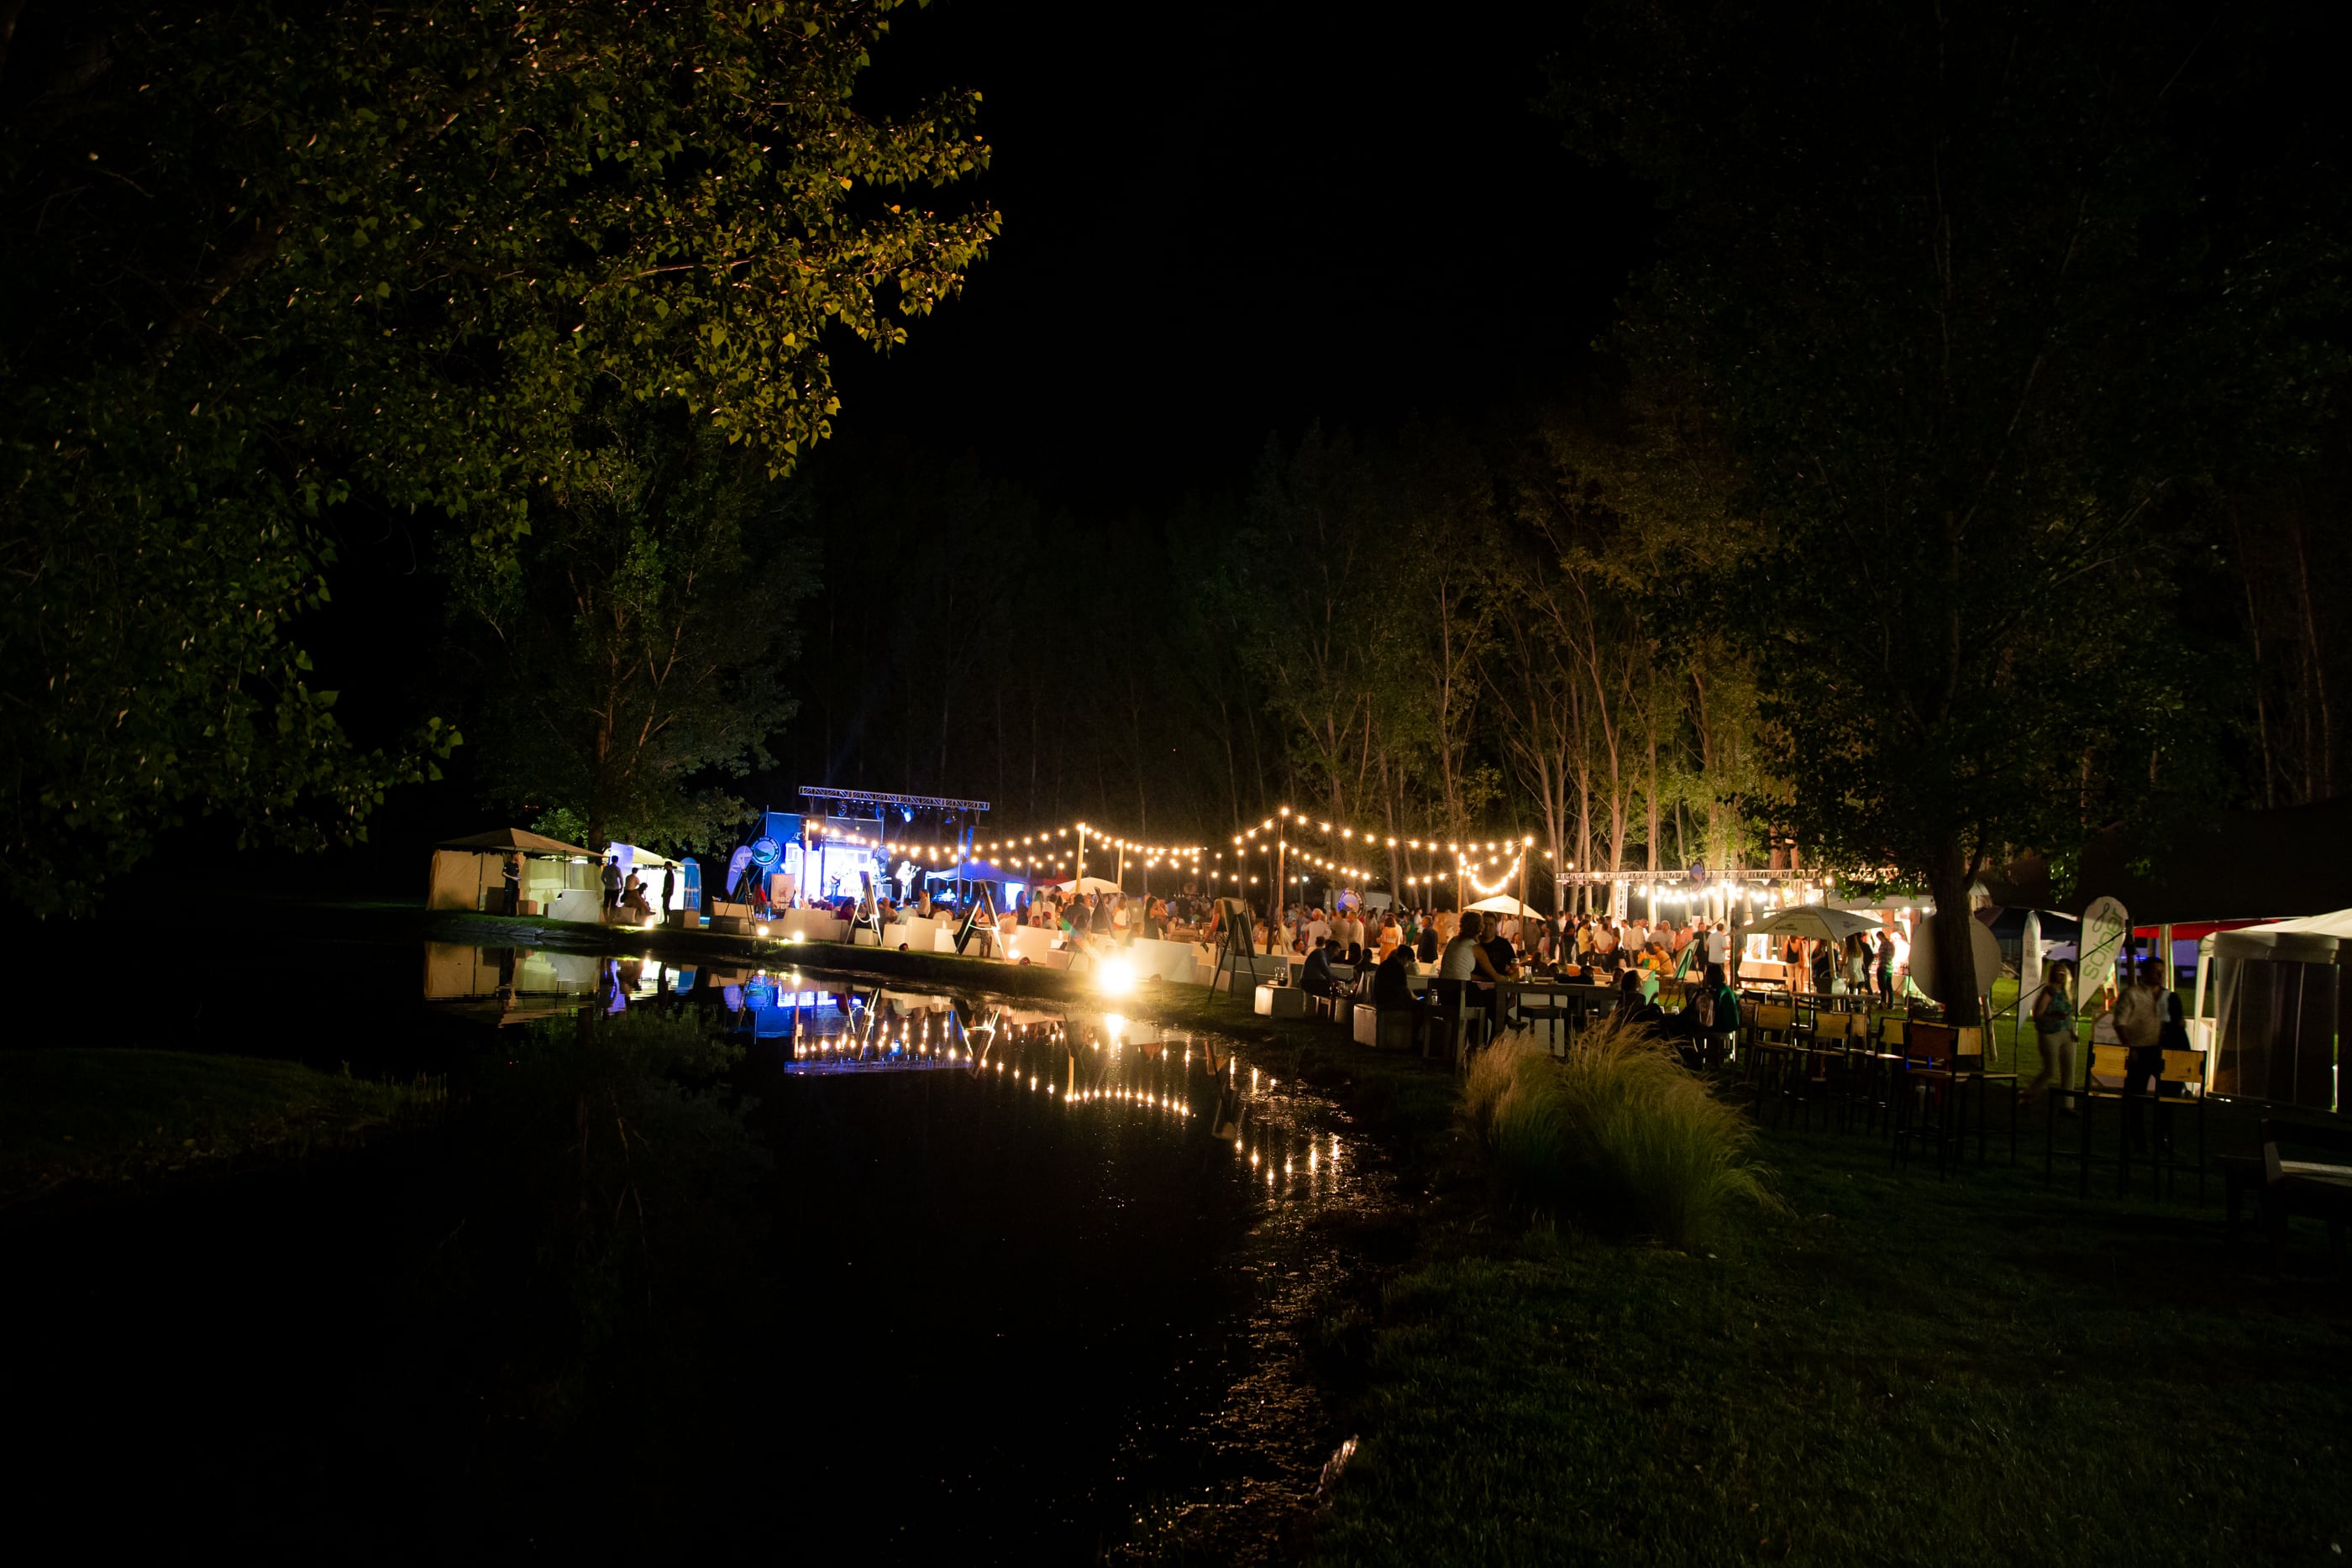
(2105, 928)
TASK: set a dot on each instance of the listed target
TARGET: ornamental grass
(1618, 1134)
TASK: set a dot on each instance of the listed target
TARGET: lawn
(1891, 1369)
(77, 1116)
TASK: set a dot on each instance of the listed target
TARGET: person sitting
(1468, 972)
(1459, 962)
(1633, 1001)
(1392, 980)
(1315, 976)
(1717, 1007)
(1502, 959)
(633, 899)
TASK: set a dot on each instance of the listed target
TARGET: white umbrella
(1816, 922)
(1504, 904)
(1088, 884)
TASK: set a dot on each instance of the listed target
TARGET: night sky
(1222, 224)
(1217, 228)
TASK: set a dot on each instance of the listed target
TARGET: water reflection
(1093, 1062)
(1133, 1208)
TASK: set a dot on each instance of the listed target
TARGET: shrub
(1619, 1132)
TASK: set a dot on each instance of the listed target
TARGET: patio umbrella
(1091, 885)
(1815, 922)
(1504, 904)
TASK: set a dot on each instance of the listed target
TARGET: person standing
(1887, 968)
(2053, 1029)
(2139, 1019)
(612, 875)
(513, 877)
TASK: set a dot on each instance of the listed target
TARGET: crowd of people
(1586, 947)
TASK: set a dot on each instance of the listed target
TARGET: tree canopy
(1966, 299)
(265, 259)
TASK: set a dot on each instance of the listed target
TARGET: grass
(1890, 1369)
(74, 1116)
(1618, 1132)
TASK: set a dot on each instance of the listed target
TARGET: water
(954, 1278)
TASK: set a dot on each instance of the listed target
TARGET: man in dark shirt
(1315, 976)
(1392, 981)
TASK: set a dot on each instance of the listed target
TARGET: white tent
(466, 871)
(2257, 941)
(2274, 1035)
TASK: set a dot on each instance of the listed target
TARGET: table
(1574, 996)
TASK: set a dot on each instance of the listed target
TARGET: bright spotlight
(1116, 977)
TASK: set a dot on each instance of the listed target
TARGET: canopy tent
(1086, 885)
(676, 884)
(1504, 904)
(470, 873)
(970, 871)
(519, 841)
(2281, 1004)
(2259, 941)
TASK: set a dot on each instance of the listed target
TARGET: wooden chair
(1450, 1021)
(1847, 1035)
(1925, 1090)
(1881, 1069)
(1552, 1014)
(1772, 1048)
(2104, 1066)
(1971, 1065)
(1823, 1071)
(2179, 1083)
(2179, 1079)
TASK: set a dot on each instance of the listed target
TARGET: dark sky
(1224, 223)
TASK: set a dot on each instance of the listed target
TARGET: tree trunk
(1948, 878)
(2315, 658)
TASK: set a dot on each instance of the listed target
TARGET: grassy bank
(1894, 1368)
(73, 1116)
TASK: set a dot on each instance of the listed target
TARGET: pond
(910, 1275)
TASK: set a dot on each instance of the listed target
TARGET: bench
(2318, 1189)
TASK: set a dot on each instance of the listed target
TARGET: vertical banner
(2029, 956)
(2105, 928)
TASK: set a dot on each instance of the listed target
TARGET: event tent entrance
(2281, 1007)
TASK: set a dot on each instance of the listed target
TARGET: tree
(1948, 282)
(630, 660)
(264, 257)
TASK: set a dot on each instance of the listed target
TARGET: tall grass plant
(1618, 1134)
